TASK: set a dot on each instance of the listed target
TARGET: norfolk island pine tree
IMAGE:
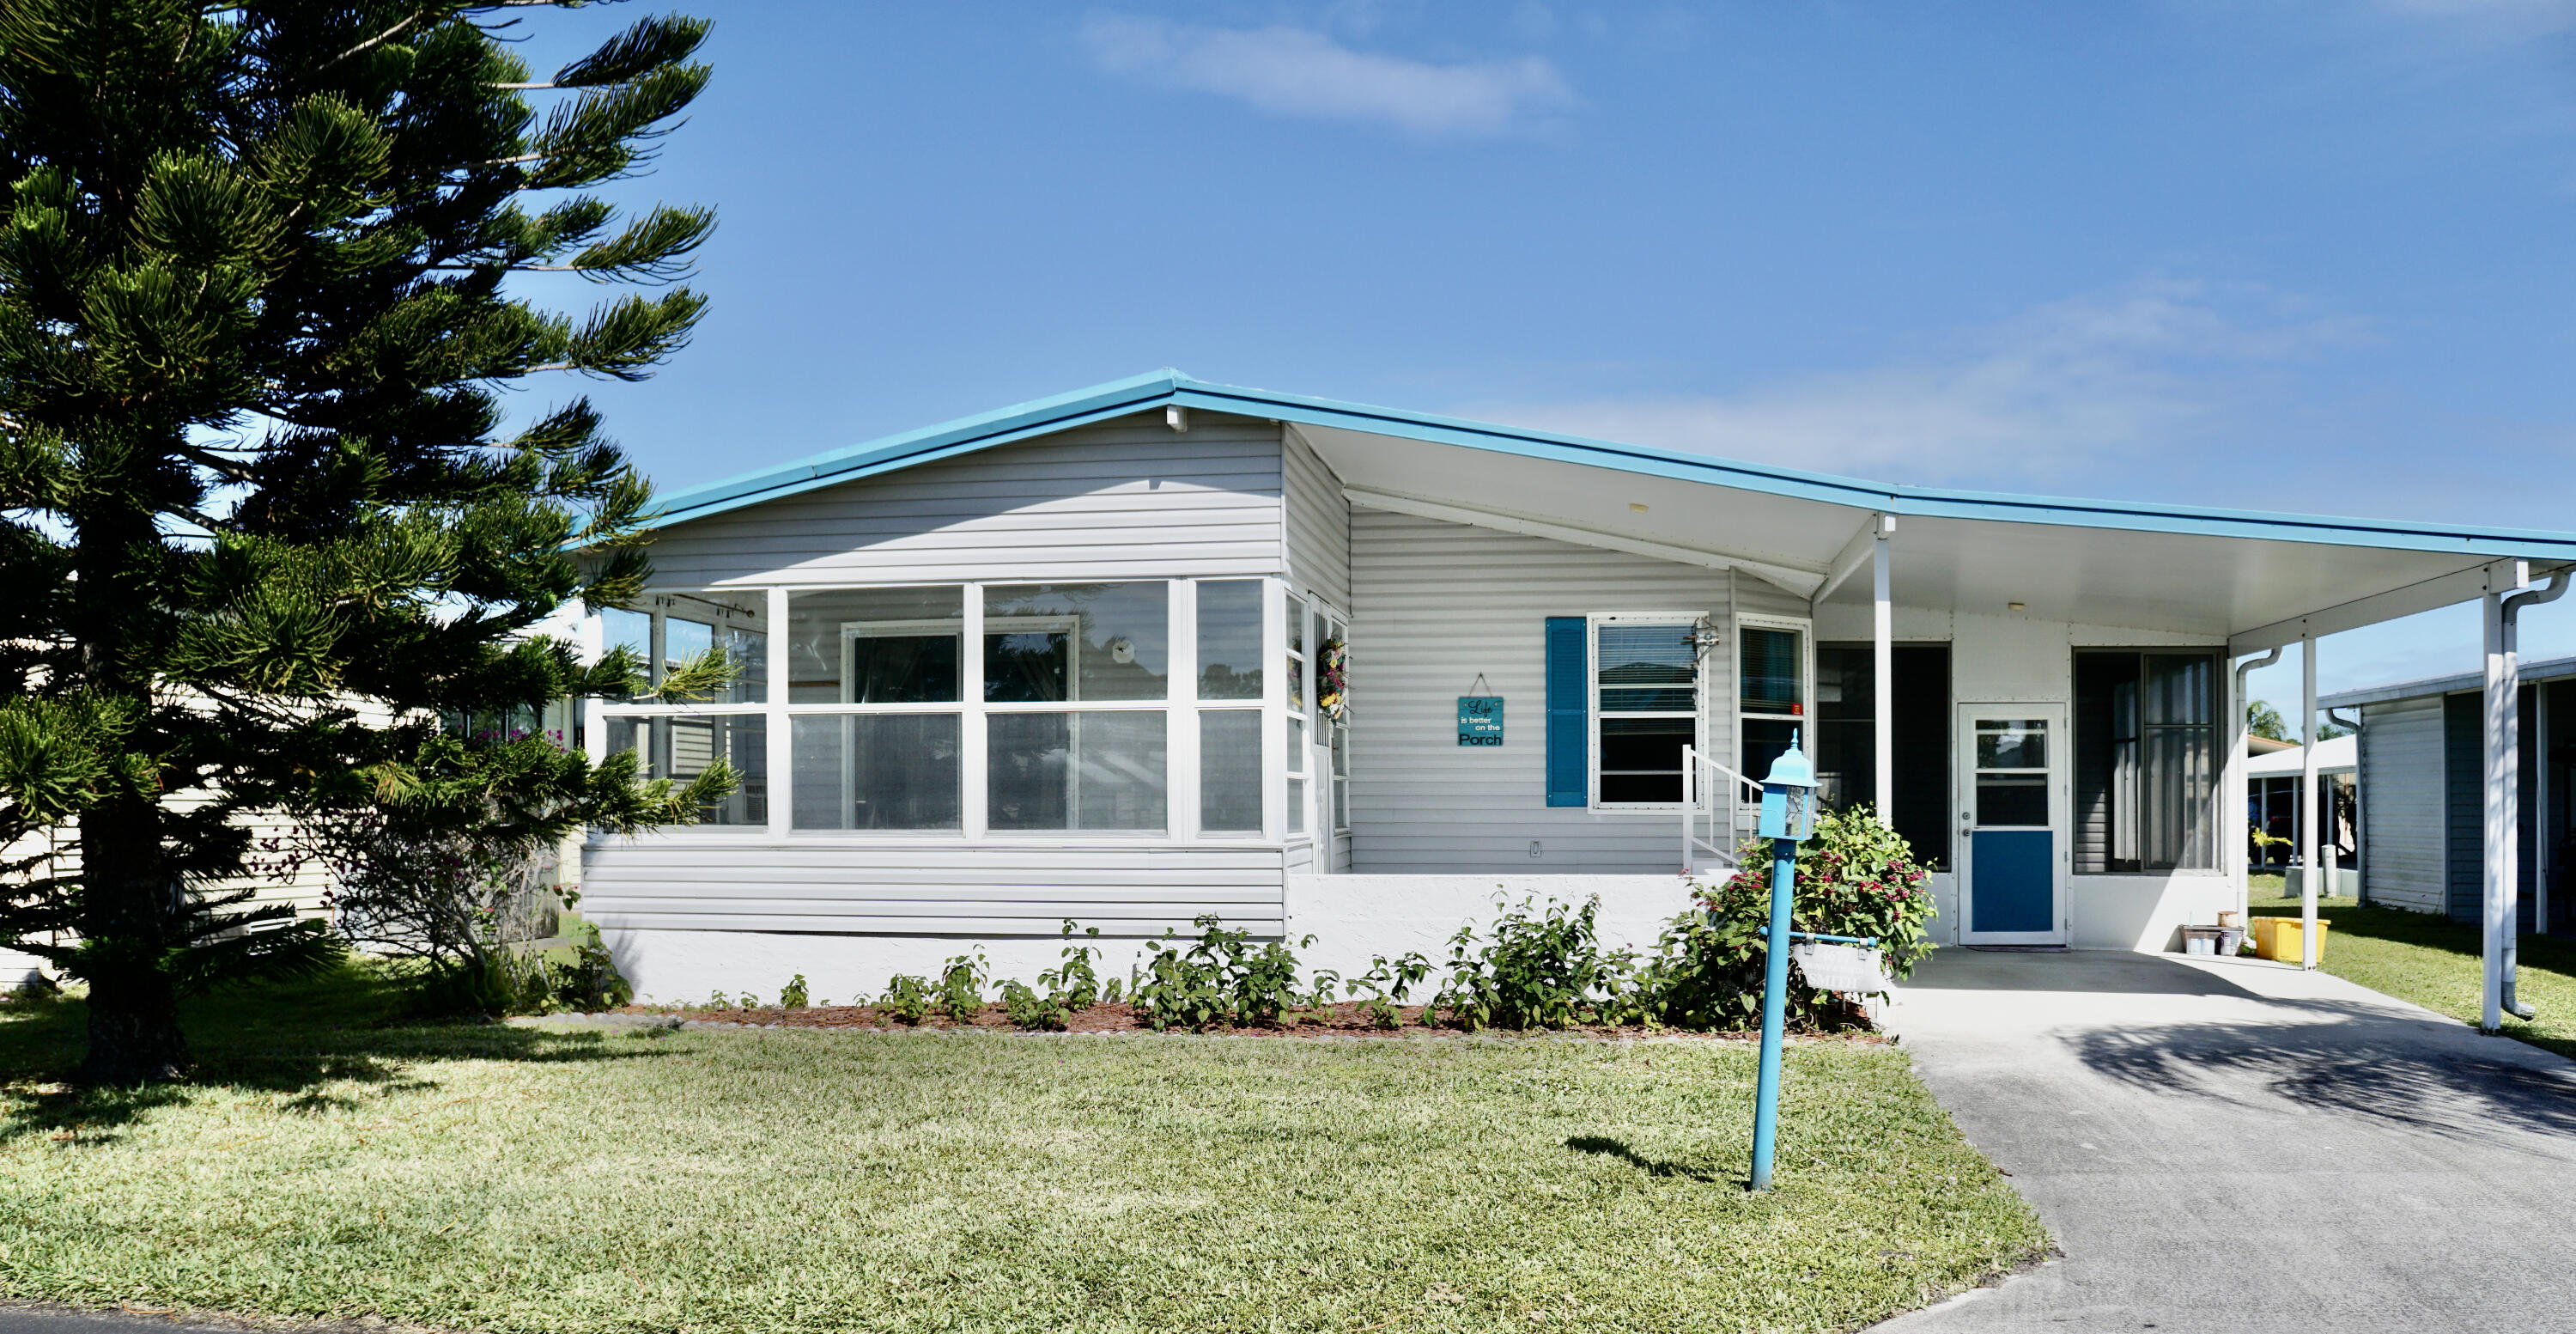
(253, 468)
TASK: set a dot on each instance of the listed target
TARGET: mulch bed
(1345, 1019)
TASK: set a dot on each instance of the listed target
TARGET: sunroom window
(888, 752)
(678, 738)
(1068, 768)
(973, 709)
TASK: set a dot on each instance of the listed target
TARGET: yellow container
(2280, 938)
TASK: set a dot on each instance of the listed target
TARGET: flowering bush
(1856, 877)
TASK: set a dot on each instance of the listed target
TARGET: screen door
(2012, 823)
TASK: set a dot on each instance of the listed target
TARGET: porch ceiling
(2252, 590)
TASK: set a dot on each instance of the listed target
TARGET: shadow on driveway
(2350, 1059)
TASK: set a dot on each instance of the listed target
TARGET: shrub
(1074, 982)
(1387, 985)
(1221, 979)
(906, 999)
(961, 987)
(1537, 972)
(1028, 1008)
(793, 995)
(1856, 877)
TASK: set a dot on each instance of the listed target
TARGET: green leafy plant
(1075, 983)
(1856, 877)
(906, 999)
(1220, 979)
(1030, 1008)
(961, 987)
(1387, 985)
(1538, 971)
(793, 995)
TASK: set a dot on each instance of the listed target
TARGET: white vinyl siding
(2402, 807)
(1130, 499)
(679, 882)
(1319, 525)
(1436, 603)
(1125, 500)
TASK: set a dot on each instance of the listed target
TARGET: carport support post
(2498, 830)
(1883, 677)
(2503, 826)
(2308, 843)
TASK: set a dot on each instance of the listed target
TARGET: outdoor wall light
(2015, 606)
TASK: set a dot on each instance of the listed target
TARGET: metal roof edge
(1082, 406)
(2538, 669)
(907, 448)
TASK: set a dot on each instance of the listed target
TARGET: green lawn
(512, 1179)
(2433, 962)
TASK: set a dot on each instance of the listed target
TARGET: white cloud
(2059, 387)
(1297, 72)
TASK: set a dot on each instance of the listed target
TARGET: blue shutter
(1569, 758)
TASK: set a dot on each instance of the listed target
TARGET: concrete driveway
(2236, 1145)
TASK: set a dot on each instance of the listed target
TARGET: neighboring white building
(2272, 805)
(1082, 658)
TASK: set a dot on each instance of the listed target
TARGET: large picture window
(2146, 760)
(885, 750)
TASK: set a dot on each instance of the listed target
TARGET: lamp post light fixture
(1788, 817)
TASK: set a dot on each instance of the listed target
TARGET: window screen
(2146, 761)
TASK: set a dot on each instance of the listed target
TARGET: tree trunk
(133, 914)
(134, 1035)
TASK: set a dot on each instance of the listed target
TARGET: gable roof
(1143, 393)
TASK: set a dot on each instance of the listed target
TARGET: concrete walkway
(2226, 1145)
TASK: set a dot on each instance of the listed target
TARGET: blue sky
(2292, 256)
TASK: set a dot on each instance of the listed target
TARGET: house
(2272, 775)
(1163, 648)
(2422, 799)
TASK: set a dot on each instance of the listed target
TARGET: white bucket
(1840, 967)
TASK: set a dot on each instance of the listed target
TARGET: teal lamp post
(1788, 817)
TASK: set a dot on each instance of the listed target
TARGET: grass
(516, 1179)
(2434, 962)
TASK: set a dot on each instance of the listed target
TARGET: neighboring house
(2422, 797)
(2272, 804)
(1164, 648)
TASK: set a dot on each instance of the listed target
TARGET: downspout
(2511, 931)
(2240, 858)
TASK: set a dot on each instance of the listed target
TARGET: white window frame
(1805, 718)
(1297, 705)
(1181, 707)
(657, 605)
(1592, 701)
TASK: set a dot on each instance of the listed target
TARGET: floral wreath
(1332, 680)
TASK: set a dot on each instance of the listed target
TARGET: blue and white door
(2013, 800)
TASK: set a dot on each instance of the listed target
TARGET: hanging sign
(1480, 720)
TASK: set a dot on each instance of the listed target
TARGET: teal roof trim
(1145, 392)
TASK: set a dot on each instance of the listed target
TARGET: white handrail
(1720, 804)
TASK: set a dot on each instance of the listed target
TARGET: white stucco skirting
(1351, 917)
(1354, 917)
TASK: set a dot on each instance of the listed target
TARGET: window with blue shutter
(1569, 703)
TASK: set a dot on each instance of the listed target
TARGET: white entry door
(2014, 796)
